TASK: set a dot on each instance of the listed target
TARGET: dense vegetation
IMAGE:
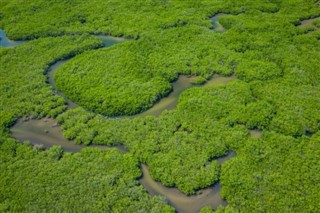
(90, 181)
(23, 87)
(277, 91)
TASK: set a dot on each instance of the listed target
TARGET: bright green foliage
(129, 77)
(297, 107)
(37, 18)
(180, 146)
(198, 80)
(277, 66)
(257, 70)
(92, 180)
(258, 114)
(274, 173)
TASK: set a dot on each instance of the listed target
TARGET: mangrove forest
(160, 106)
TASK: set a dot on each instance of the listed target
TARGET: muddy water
(218, 80)
(217, 27)
(227, 157)
(167, 103)
(308, 22)
(171, 101)
(46, 132)
(183, 203)
(5, 42)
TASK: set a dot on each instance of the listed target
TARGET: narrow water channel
(308, 22)
(217, 27)
(5, 42)
(167, 103)
(183, 203)
(48, 133)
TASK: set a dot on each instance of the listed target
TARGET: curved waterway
(217, 27)
(183, 203)
(308, 22)
(166, 103)
(5, 42)
(47, 132)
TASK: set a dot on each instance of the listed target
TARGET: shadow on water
(5, 42)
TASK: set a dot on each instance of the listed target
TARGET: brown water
(183, 203)
(47, 132)
(217, 27)
(308, 22)
(170, 102)
(184, 82)
(167, 103)
(218, 80)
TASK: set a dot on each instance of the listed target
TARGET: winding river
(47, 132)
(167, 103)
